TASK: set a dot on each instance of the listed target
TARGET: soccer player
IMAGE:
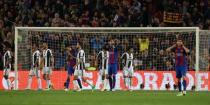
(48, 61)
(80, 68)
(35, 67)
(71, 62)
(103, 56)
(113, 63)
(7, 64)
(128, 68)
(181, 64)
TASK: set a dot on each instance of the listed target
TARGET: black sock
(80, 84)
(110, 82)
(114, 81)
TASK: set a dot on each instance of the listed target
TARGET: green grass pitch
(102, 98)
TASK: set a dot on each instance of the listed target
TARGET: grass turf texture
(102, 98)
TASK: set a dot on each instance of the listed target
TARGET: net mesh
(149, 46)
(204, 55)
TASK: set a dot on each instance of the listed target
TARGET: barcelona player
(113, 63)
(71, 62)
(181, 65)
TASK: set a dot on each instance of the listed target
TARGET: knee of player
(6, 77)
(83, 79)
(44, 77)
(184, 78)
(75, 77)
(68, 78)
(30, 76)
(103, 77)
(124, 76)
(107, 76)
(179, 79)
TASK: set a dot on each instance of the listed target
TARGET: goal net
(154, 67)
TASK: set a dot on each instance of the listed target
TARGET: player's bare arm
(186, 49)
(170, 48)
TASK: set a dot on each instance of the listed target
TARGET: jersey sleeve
(84, 57)
(184, 52)
(38, 55)
(173, 49)
(51, 54)
(99, 54)
(9, 54)
(122, 55)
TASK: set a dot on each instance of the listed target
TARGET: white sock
(47, 84)
(29, 82)
(88, 83)
(130, 83)
(105, 83)
(39, 83)
(127, 82)
(8, 84)
(75, 83)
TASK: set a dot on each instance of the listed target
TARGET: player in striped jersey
(71, 62)
(48, 61)
(80, 68)
(181, 64)
(128, 68)
(35, 67)
(7, 65)
(103, 57)
(113, 63)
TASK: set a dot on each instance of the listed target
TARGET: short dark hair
(7, 44)
(37, 45)
(130, 47)
(105, 47)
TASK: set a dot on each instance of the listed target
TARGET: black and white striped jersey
(128, 59)
(47, 55)
(103, 57)
(7, 59)
(36, 58)
(81, 60)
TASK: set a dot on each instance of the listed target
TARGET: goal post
(159, 38)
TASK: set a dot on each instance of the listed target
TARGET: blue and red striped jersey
(180, 56)
(113, 55)
(72, 59)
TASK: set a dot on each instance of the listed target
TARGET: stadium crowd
(102, 13)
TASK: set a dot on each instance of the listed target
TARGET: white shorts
(47, 70)
(103, 71)
(34, 72)
(80, 73)
(128, 71)
(6, 71)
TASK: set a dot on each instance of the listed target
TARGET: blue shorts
(112, 69)
(70, 70)
(181, 71)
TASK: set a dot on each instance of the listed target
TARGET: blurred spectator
(143, 44)
(104, 13)
(96, 43)
(161, 59)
